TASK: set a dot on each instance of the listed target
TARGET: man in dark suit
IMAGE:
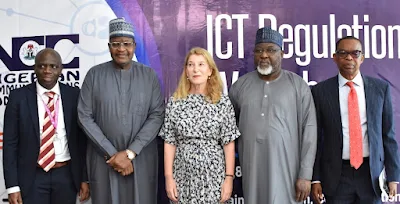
(44, 148)
(356, 137)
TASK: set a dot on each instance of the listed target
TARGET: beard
(265, 71)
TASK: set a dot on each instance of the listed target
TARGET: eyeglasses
(116, 45)
(344, 54)
(269, 51)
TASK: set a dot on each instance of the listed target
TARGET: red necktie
(356, 145)
(47, 156)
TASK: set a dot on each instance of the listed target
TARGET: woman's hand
(226, 190)
(170, 187)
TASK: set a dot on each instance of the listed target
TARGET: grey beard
(266, 71)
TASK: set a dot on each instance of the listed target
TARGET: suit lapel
(31, 99)
(67, 107)
(333, 99)
(369, 104)
(368, 94)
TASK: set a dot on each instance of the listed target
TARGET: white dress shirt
(60, 141)
(344, 91)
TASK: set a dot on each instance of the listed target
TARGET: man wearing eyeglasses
(356, 137)
(44, 147)
(276, 116)
(121, 110)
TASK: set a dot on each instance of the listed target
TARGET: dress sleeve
(229, 129)
(167, 132)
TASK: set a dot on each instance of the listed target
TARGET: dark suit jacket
(380, 127)
(22, 140)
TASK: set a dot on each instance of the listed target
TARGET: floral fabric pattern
(199, 130)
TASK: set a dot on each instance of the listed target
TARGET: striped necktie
(47, 155)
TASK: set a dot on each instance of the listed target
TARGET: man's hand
(303, 188)
(317, 195)
(392, 190)
(15, 198)
(84, 192)
(120, 163)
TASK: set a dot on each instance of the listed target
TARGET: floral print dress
(199, 130)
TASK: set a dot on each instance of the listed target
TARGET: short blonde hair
(214, 83)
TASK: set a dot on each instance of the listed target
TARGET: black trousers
(53, 187)
(355, 186)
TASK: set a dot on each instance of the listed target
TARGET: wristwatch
(130, 154)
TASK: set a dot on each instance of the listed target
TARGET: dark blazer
(22, 137)
(380, 127)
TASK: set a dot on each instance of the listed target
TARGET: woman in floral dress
(199, 132)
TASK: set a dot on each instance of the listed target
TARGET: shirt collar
(41, 90)
(357, 80)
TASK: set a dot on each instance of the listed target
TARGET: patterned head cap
(120, 28)
(267, 35)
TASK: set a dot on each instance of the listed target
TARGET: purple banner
(311, 29)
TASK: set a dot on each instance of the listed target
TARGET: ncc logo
(24, 50)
